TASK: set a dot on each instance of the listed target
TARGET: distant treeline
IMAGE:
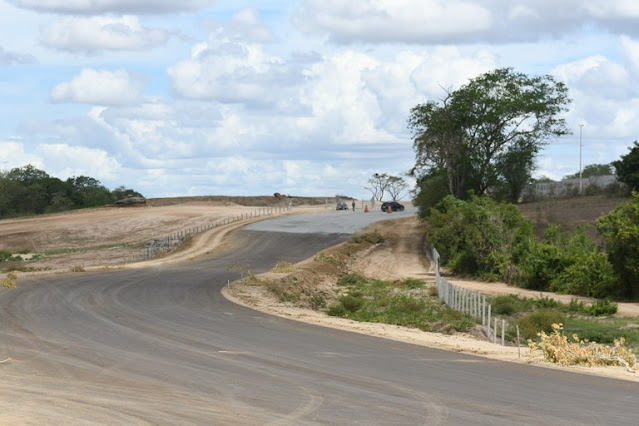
(28, 190)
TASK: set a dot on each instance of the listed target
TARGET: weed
(283, 267)
(9, 281)
(369, 237)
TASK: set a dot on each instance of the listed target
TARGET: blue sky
(306, 97)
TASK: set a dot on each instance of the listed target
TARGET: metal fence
(470, 302)
(171, 242)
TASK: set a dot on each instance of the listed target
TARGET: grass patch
(372, 300)
(592, 322)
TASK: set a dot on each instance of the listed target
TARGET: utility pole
(581, 185)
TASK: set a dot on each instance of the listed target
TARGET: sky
(300, 97)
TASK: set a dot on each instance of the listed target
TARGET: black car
(394, 206)
(341, 206)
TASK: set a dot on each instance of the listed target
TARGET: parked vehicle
(394, 206)
(341, 206)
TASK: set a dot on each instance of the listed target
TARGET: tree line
(475, 153)
(28, 190)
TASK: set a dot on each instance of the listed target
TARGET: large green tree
(627, 167)
(475, 130)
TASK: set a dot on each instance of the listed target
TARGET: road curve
(162, 346)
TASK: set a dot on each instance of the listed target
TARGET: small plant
(283, 267)
(595, 309)
(412, 283)
(77, 269)
(317, 302)
(368, 237)
(9, 281)
(556, 348)
(540, 321)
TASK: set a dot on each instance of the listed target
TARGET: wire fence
(470, 302)
(171, 242)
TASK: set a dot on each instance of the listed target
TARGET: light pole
(581, 185)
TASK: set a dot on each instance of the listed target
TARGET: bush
(539, 321)
(620, 231)
(555, 347)
(595, 309)
(590, 275)
(368, 237)
(477, 237)
(5, 255)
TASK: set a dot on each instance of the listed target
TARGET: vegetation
(28, 190)
(557, 348)
(493, 241)
(627, 167)
(487, 133)
(592, 170)
(380, 184)
(620, 230)
(398, 303)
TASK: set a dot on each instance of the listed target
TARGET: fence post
(503, 330)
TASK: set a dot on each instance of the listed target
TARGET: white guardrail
(470, 302)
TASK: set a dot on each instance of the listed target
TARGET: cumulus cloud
(93, 7)
(412, 21)
(13, 154)
(115, 88)
(100, 33)
(453, 21)
(229, 71)
(597, 74)
(245, 25)
(66, 160)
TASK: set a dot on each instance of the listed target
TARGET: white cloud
(91, 7)
(100, 88)
(630, 50)
(626, 9)
(65, 160)
(228, 71)
(413, 21)
(12, 155)
(597, 75)
(100, 33)
(245, 25)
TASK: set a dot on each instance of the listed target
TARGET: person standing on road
(353, 204)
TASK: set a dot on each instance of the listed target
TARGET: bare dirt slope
(114, 236)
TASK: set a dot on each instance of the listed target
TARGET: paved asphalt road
(162, 346)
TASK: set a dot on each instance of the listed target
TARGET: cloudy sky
(301, 97)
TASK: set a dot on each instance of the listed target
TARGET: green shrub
(477, 237)
(541, 265)
(590, 275)
(412, 283)
(368, 237)
(595, 309)
(352, 303)
(317, 302)
(541, 320)
(5, 255)
(352, 280)
(620, 231)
